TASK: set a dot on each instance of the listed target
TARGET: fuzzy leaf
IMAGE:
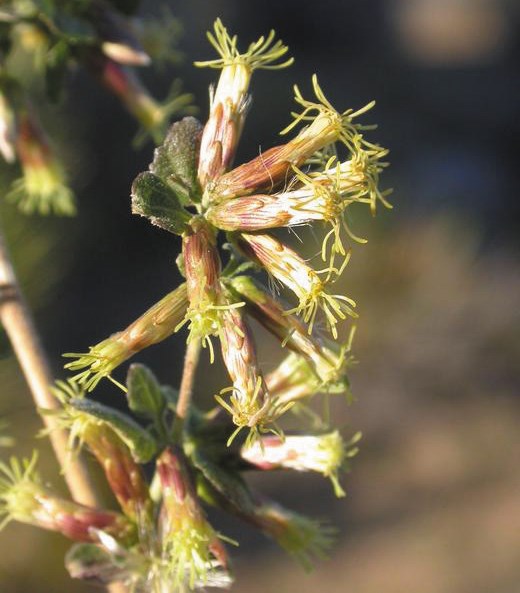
(171, 396)
(141, 444)
(228, 484)
(176, 160)
(154, 199)
(145, 396)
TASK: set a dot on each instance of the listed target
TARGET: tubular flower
(42, 187)
(291, 332)
(190, 546)
(126, 85)
(229, 101)
(124, 475)
(286, 266)
(326, 127)
(249, 403)
(300, 536)
(202, 268)
(154, 326)
(324, 454)
(23, 498)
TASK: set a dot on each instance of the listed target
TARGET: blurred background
(433, 503)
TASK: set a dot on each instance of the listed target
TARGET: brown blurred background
(433, 501)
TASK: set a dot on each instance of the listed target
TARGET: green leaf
(152, 198)
(145, 396)
(141, 443)
(176, 160)
(233, 490)
(171, 396)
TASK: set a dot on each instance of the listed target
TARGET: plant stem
(19, 326)
(191, 360)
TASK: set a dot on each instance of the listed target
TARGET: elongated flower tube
(324, 454)
(286, 266)
(124, 475)
(249, 403)
(24, 499)
(126, 85)
(202, 268)
(191, 548)
(327, 126)
(42, 188)
(154, 326)
(297, 378)
(319, 196)
(289, 329)
(229, 102)
(302, 537)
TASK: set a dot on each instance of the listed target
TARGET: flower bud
(24, 499)
(191, 548)
(154, 326)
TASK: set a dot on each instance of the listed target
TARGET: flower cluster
(161, 539)
(193, 190)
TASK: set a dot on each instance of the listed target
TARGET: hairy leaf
(154, 199)
(142, 445)
(176, 160)
(145, 396)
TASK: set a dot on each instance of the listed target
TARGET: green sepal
(176, 160)
(141, 443)
(90, 561)
(145, 396)
(56, 69)
(157, 201)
